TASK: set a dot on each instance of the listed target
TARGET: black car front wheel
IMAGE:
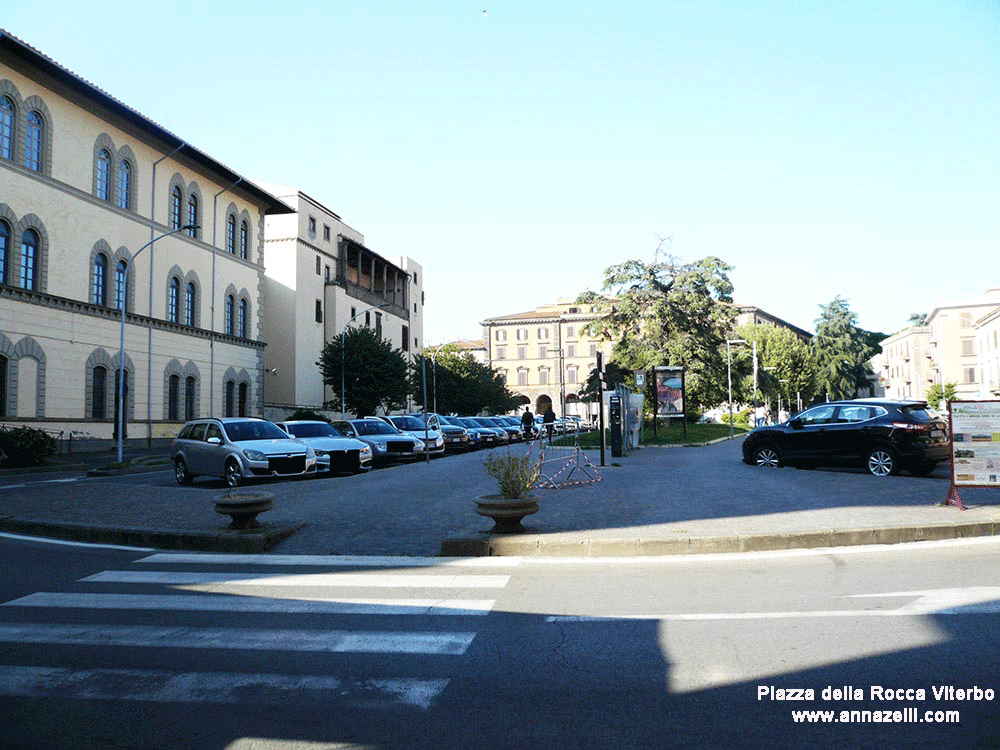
(767, 456)
(882, 462)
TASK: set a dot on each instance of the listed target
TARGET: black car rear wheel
(882, 461)
(767, 456)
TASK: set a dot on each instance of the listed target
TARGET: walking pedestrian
(527, 423)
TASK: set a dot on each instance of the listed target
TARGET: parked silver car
(238, 448)
(387, 443)
(334, 450)
(432, 437)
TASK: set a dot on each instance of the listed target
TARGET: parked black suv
(880, 434)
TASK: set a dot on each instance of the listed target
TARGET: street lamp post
(729, 362)
(343, 406)
(121, 338)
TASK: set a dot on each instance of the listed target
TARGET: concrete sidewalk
(656, 501)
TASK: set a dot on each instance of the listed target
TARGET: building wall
(953, 341)
(546, 355)
(988, 347)
(54, 336)
(904, 367)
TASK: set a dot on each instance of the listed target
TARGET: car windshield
(240, 431)
(375, 427)
(407, 423)
(314, 429)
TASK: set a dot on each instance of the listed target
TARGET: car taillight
(912, 426)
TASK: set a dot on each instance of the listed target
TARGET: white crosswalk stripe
(232, 594)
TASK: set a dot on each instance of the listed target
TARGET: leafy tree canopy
(784, 364)
(938, 396)
(841, 351)
(670, 313)
(463, 384)
(614, 375)
(374, 374)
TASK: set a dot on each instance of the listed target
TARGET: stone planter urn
(506, 512)
(243, 507)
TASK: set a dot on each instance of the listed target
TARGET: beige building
(958, 344)
(319, 278)
(92, 213)
(547, 354)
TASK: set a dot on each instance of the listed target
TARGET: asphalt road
(132, 649)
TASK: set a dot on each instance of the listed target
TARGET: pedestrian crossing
(247, 616)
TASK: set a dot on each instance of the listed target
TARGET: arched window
(29, 259)
(124, 184)
(243, 321)
(98, 409)
(230, 398)
(190, 298)
(230, 314)
(6, 127)
(176, 199)
(4, 251)
(121, 277)
(3, 386)
(100, 292)
(193, 213)
(244, 399)
(244, 240)
(104, 175)
(35, 142)
(173, 398)
(189, 391)
(231, 234)
(174, 300)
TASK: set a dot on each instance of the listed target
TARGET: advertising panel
(669, 392)
(975, 443)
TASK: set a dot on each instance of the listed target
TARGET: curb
(532, 545)
(245, 542)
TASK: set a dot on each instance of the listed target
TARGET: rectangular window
(569, 332)
(406, 338)
(501, 335)
(968, 347)
(99, 393)
(326, 274)
(543, 351)
(543, 334)
(501, 352)
(543, 377)
(319, 266)
(593, 350)
(970, 375)
(312, 225)
(570, 350)
(326, 232)
(319, 311)
(522, 334)
(522, 377)
(571, 375)
(522, 352)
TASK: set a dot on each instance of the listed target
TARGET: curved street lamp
(121, 336)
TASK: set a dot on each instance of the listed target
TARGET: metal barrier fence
(561, 463)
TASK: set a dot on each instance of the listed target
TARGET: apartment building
(102, 212)
(958, 344)
(547, 354)
(319, 278)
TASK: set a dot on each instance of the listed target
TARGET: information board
(975, 443)
(669, 392)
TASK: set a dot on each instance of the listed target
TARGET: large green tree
(614, 375)
(785, 365)
(463, 384)
(672, 313)
(841, 351)
(374, 374)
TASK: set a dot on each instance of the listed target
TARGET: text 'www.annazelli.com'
(907, 715)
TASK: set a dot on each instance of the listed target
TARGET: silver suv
(238, 448)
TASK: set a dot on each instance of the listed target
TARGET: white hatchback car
(334, 451)
(238, 448)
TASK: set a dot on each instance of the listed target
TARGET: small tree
(939, 397)
(374, 374)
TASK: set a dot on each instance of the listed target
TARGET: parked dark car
(882, 435)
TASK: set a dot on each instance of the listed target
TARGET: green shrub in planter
(515, 474)
(26, 446)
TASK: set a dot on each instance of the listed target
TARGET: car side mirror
(214, 441)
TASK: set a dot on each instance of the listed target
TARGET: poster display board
(669, 392)
(974, 427)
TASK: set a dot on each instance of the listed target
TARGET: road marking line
(216, 603)
(68, 543)
(327, 641)
(210, 687)
(361, 579)
(384, 561)
(990, 608)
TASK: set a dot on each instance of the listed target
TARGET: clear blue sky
(821, 147)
